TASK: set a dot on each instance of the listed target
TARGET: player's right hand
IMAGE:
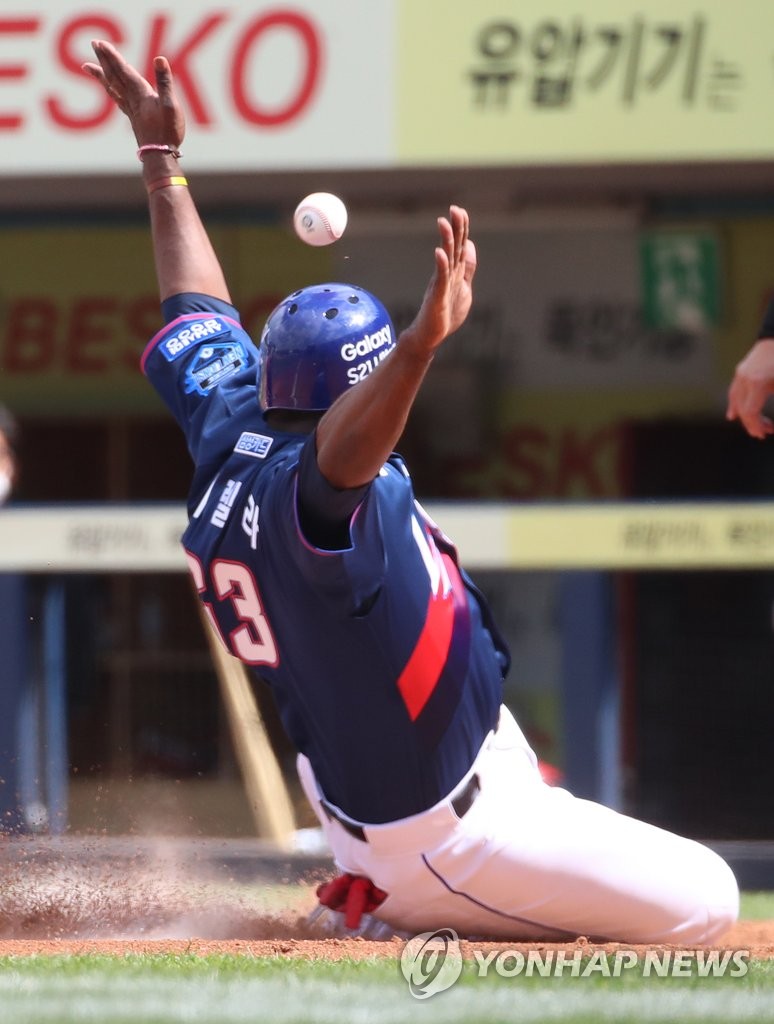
(449, 294)
(752, 385)
(154, 114)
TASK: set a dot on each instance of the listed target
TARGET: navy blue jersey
(382, 657)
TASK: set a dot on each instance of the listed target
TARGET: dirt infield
(757, 937)
(83, 898)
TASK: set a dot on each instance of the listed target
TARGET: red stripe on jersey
(429, 658)
(423, 669)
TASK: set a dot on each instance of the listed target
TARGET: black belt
(461, 804)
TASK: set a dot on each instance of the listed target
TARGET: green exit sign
(681, 285)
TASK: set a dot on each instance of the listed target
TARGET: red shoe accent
(353, 895)
(550, 773)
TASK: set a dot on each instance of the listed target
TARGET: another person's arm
(753, 383)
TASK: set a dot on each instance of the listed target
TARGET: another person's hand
(449, 295)
(752, 384)
(154, 114)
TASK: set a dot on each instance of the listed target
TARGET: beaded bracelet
(158, 147)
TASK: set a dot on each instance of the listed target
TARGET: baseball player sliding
(323, 574)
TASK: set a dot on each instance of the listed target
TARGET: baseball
(320, 218)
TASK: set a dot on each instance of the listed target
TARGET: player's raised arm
(185, 259)
(360, 430)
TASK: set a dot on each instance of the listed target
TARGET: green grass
(187, 989)
(232, 990)
(757, 906)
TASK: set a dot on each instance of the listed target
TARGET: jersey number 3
(252, 641)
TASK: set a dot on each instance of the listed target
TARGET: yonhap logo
(431, 962)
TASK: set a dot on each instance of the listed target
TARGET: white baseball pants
(531, 861)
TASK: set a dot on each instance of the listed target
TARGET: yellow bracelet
(166, 182)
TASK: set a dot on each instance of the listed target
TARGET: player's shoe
(344, 910)
(330, 923)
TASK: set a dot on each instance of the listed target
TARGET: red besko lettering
(31, 336)
(237, 62)
(178, 57)
(299, 26)
(87, 334)
(15, 27)
(142, 317)
(70, 53)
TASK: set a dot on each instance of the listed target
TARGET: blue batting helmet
(318, 342)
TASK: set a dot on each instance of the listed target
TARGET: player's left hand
(449, 295)
(753, 383)
(155, 114)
